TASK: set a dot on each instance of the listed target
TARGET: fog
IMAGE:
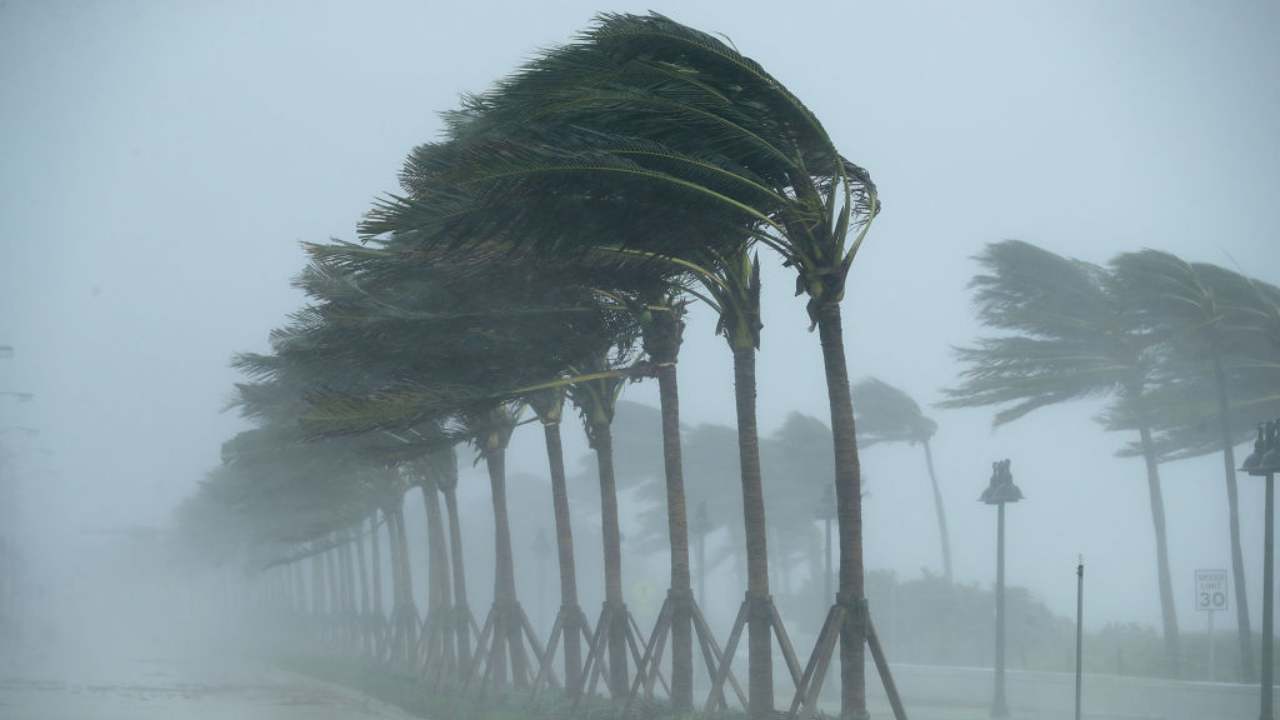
(163, 161)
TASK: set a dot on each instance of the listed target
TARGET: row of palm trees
(1186, 354)
(545, 250)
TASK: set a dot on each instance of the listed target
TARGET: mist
(164, 162)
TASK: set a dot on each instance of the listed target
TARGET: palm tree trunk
(396, 637)
(941, 511)
(848, 482)
(504, 583)
(755, 531)
(602, 441)
(432, 574)
(362, 625)
(408, 613)
(564, 545)
(362, 571)
(678, 538)
(348, 587)
(1244, 629)
(398, 586)
(317, 584)
(331, 575)
(376, 562)
(1167, 609)
(439, 566)
(463, 626)
(299, 587)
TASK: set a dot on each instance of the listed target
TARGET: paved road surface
(173, 689)
(957, 692)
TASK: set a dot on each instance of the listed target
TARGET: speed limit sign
(1211, 590)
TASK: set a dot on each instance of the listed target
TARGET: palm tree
(649, 111)
(662, 332)
(345, 338)
(549, 406)
(716, 488)
(445, 462)
(491, 429)
(439, 652)
(800, 449)
(888, 414)
(729, 282)
(1069, 337)
(539, 316)
(647, 292)
(596, 401)
(733, 289)
(1212, 321)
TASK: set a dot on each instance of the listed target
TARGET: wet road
(175, 689)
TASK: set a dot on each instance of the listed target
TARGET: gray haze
(162, 160)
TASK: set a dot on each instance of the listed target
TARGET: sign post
(1211, 597)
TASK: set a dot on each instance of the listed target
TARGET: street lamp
(1264, 461)
(999, 492)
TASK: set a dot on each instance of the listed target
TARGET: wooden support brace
(651, 648)
(717, 685)
(547, 657)
(714, 658)
(882, 666)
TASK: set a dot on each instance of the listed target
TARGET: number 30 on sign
(1211, 590)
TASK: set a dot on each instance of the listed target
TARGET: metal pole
(1213, 675)
(1079, 634)
(1268, 598)
(999, 707)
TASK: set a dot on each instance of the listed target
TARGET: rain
(646, 361)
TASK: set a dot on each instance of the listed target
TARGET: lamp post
(999, 492)
(1264, 462)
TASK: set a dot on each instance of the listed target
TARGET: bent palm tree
(658, 118)
(887, 414)
(1069, 338)
(1189, 306)
(596, 400)
(549, 407)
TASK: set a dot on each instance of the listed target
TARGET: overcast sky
(162, 160)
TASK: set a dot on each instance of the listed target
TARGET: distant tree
(887, 414)
(1207, 318)
(798, 457)
(1068, 337)
(710, 463)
